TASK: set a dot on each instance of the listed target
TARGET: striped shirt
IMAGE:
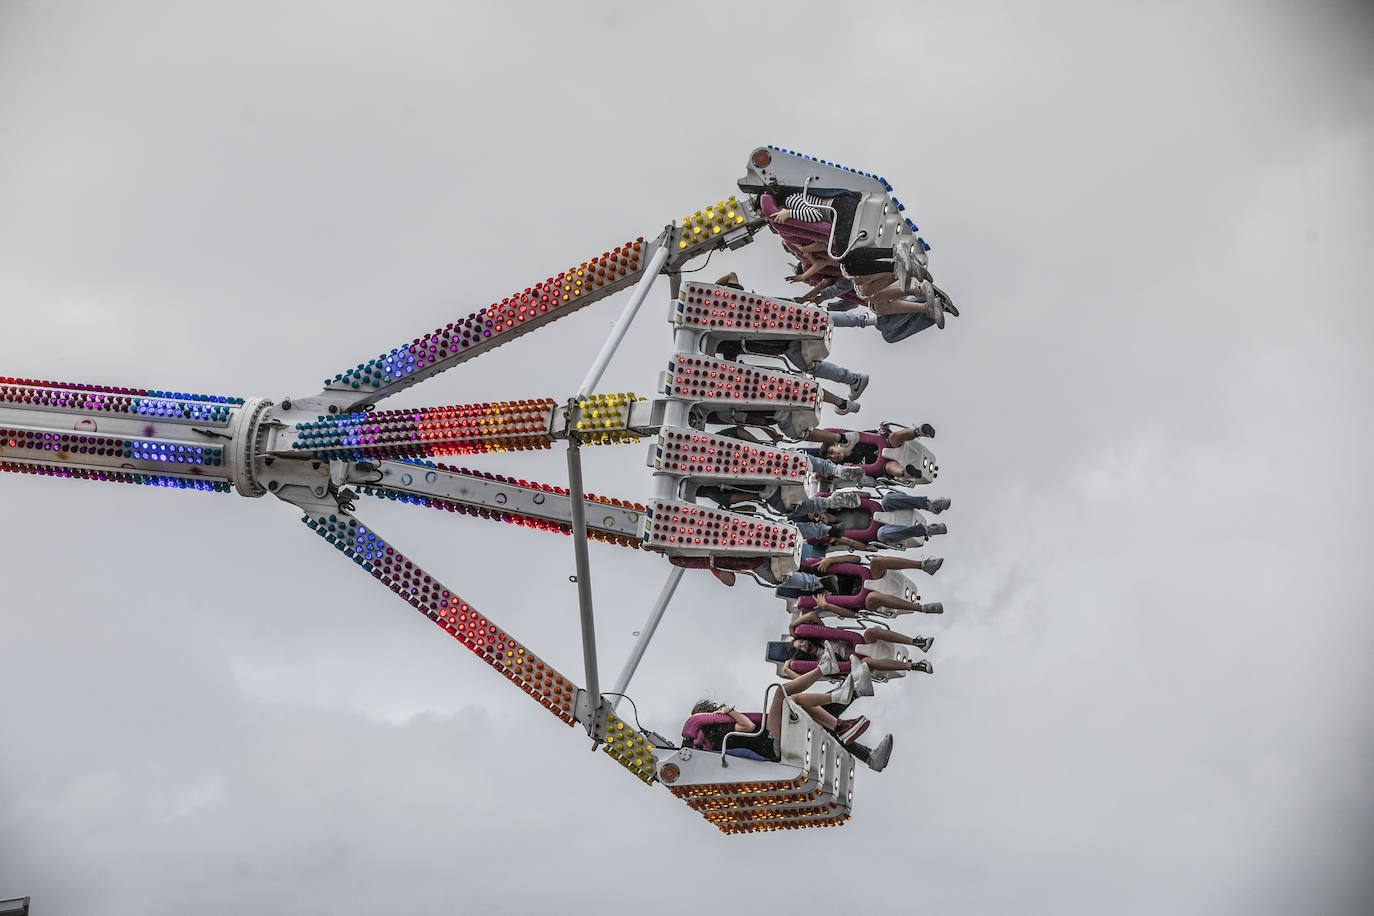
(805, 209)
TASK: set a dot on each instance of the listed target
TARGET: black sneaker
(847, 730)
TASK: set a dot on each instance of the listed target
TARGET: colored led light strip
(481, 635)
(705, 227)
(703, 378)
(696, 454)
(722, 308)
(201, 408)
(674, 526)
(496, 324)
(459, 429)
(630, 749)
(484, 638)
(148, 480)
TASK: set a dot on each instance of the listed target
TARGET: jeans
(892, 534)
(847, 319)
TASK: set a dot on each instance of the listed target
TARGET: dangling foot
(828, 663)
(843, 694)
(849, 405)
(937, 505)
(880, 755)
(933, 607)
(923, 666)
(847, 730)
(924, 643)
(931, 564)
(857, 387)
(862, 678)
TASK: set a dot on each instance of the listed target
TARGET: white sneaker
(880, 755)
(851, 473)
(858, 386)
(847, 406)
(828, 663)
(843, 694)
(932, 564)
(862, 678)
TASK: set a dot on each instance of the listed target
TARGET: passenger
(767, 744)
(816, 647)
(866, 448)
(793, 353)
(870, 269)
(844, 526)
(866, 600)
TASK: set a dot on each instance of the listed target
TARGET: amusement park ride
(322, 451)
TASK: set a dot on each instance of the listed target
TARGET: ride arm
(478, 633)
(730, 223)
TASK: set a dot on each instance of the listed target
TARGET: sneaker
(862, 679)
(924, 666)
(925, 429)
(931, 564)
(847, 406)
(843, 694)
(828, 663)
(830, 584)
(857, 387)
(867, 319)
(924, 644)
(847, 730)
(849, 439)
(933, 528)
(937, 505)
(848, 500)
(945, 302)
(880, 755)
(851, 473)
(932, 607)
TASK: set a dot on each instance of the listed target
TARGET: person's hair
(811, 653)
(780, 193)
(704, 706)
(837, 531)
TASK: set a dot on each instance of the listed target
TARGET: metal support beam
(622, 325)
(646, 633)
(584, 579)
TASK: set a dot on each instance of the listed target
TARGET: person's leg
(899, 307)
(773, 721)
(833, 373)
(877, 601)
(851, 318)
(895, 500)
(895, 534)
(881, 566)
(898, 438)
(802, 581)
(889, 664)
(811, 703)
(816, 434)
(883, 634)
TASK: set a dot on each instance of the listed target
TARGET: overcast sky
(1152, 676)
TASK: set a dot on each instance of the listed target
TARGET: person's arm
(823, 605)
(826, 562)
(850, 542)
(810, 617)
(742, 722)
